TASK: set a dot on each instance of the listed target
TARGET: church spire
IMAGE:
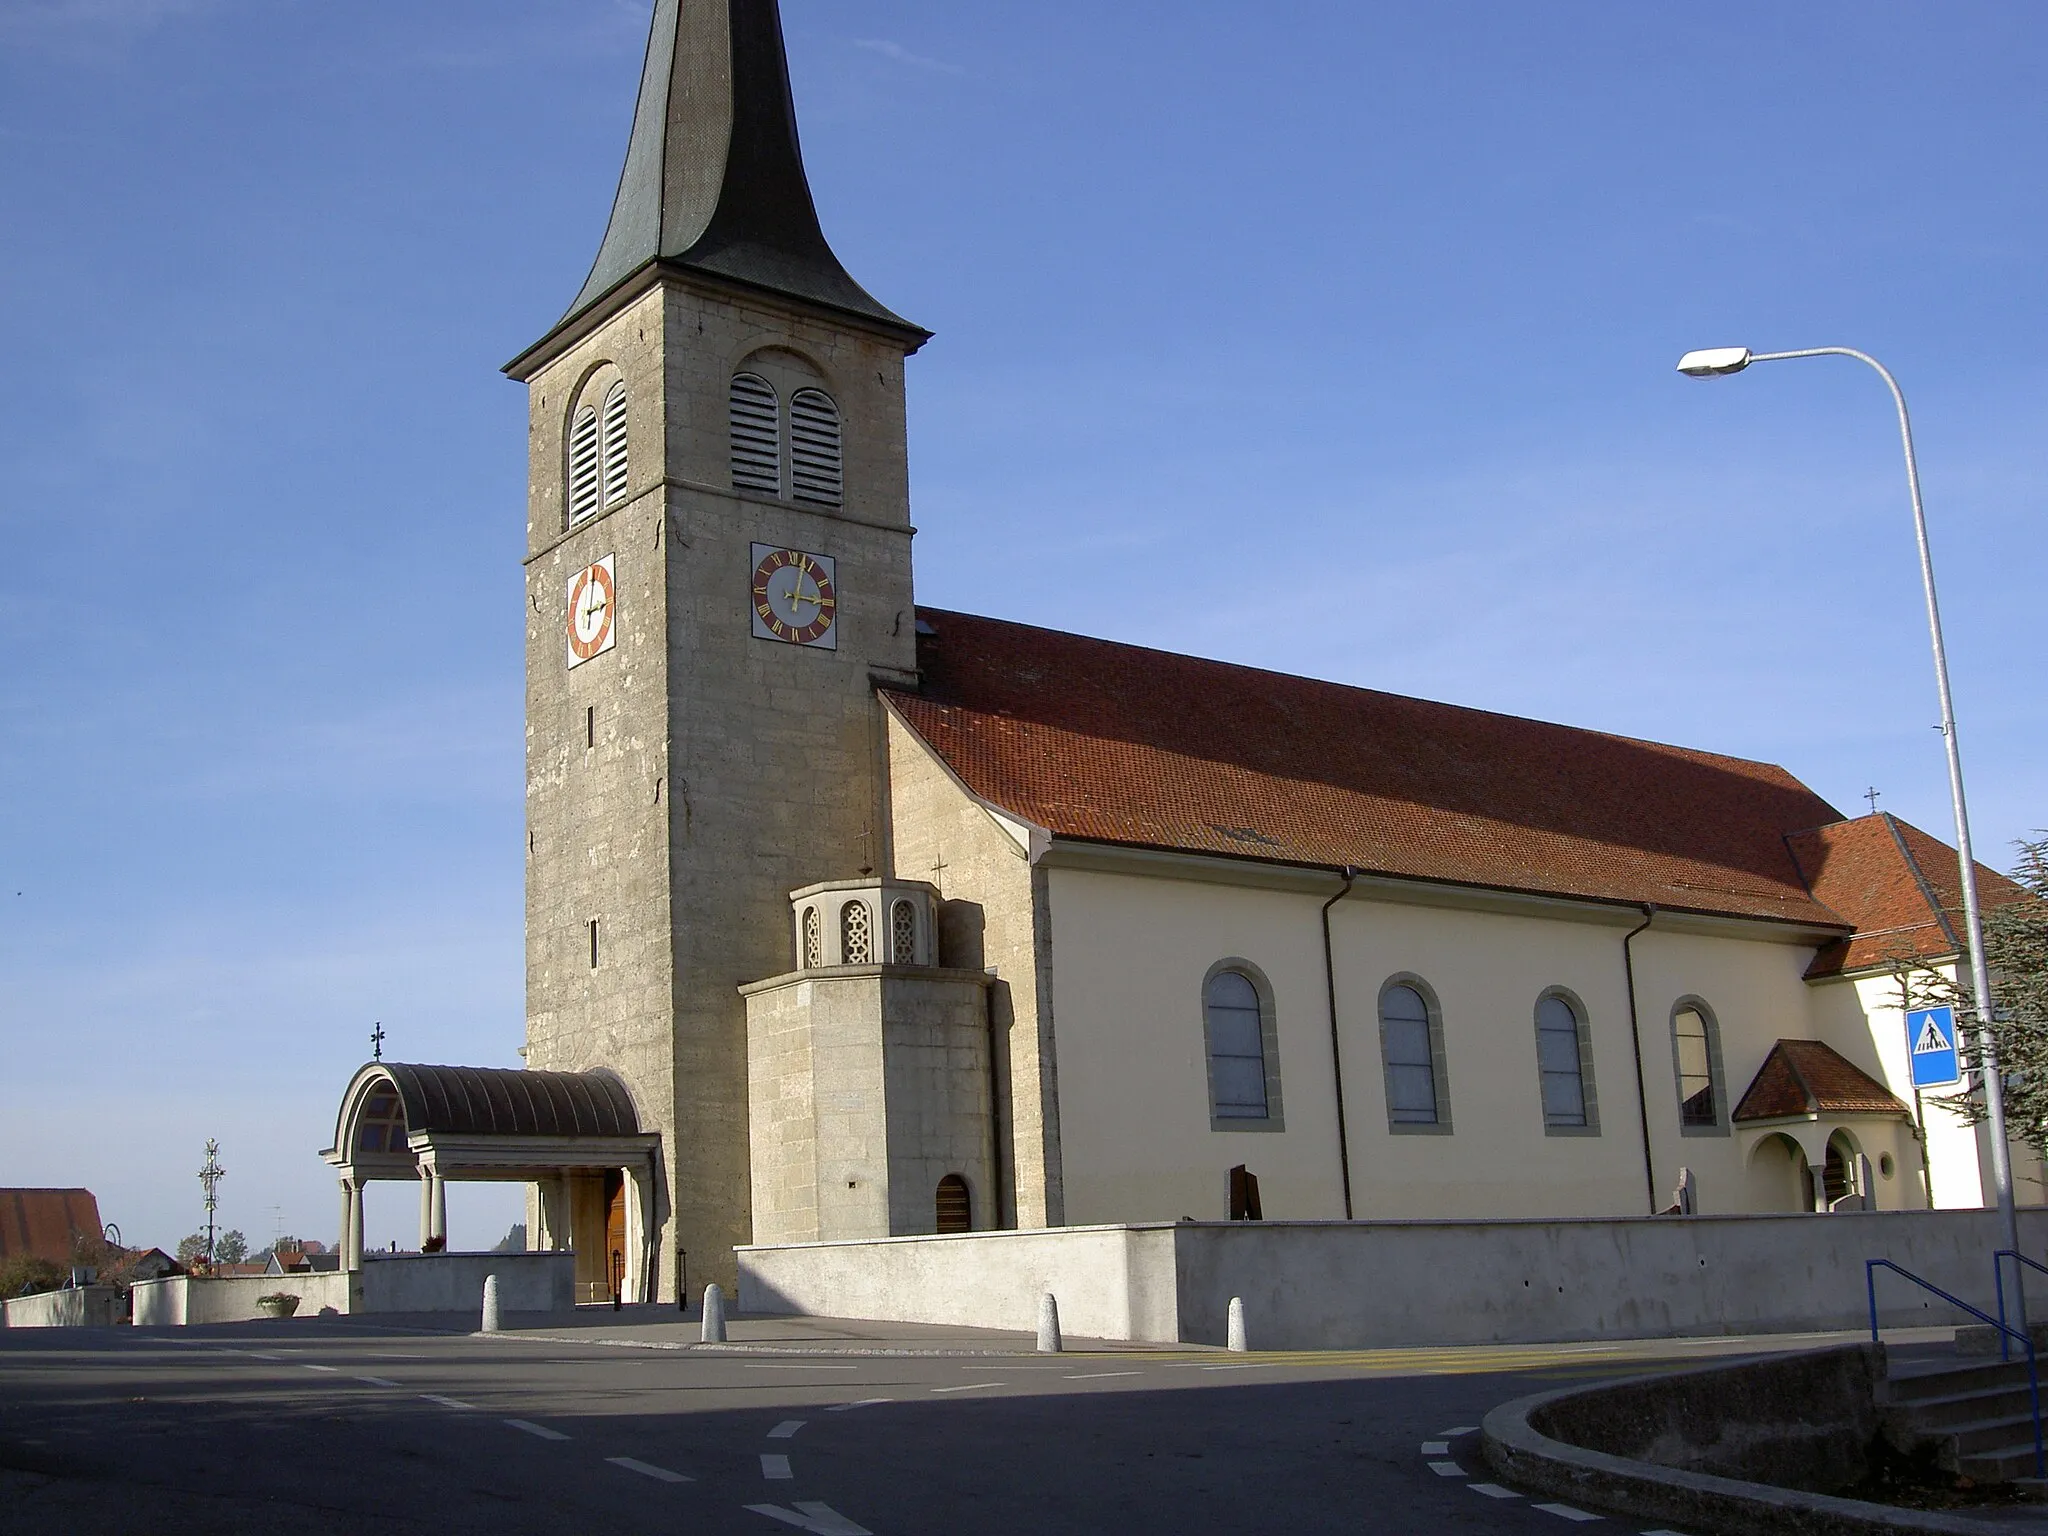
(714, 176)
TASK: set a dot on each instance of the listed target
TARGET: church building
(849, 918)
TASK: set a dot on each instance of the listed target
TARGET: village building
(848, 918)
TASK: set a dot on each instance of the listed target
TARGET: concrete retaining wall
(91, 1306)
(454, 1282)
(179, 1301)
(1319, 1285)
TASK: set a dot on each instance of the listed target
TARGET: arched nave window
(1696, 1053)
(1564, 1062)
(1244, 1057)
(1412, 1050)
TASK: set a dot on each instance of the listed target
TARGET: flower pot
(277, 1306)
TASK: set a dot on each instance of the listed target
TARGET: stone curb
(881, 1352)
(1724, 1506)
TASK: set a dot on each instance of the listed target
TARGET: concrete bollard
(714, 1315)
(1049, 1342)
(1238, 1343)
(493, 1319)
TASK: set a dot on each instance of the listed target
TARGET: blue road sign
(1931, 1037)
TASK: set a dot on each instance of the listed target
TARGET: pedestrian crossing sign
(1931, 1034)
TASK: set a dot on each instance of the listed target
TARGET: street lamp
(1716, 362)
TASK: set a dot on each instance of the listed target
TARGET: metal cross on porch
(1871, 795)
(377, 1043)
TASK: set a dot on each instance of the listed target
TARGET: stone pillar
(440, 1211)
(355, 1226)
(344, 1245)
(1819, 1171)
(426, 1205)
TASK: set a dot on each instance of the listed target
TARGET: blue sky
(1323, 336)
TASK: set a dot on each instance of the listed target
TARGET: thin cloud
(902, 55)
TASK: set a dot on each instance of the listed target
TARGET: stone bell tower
(718, 574)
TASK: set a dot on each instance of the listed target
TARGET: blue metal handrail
(1998, 1274)
(1870, 1269)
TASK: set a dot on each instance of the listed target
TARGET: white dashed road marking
(1103, 1375)
(376, 1381)
(1436, 1447)
(332, 1370)
(866, 1402)
(1462, 1429)
(1565, 1511)
(1448, 1469)
(448, 1402)
(659, 1474)
(972, 1386)
(803, 1367)
(1493, 1490)
(776, 1469)
(819, 1519)
(538, 1431)
(786, 1430)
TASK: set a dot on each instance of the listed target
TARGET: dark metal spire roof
(714, 176)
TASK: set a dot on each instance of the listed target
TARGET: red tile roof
(1900, 888)
(1115, 743)
(1805, 1077)
(47, 1223)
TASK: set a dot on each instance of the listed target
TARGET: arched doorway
(1778, 1177)
(955, 1205)
(1838, 1174)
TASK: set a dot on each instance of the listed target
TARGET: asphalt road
(323, 1427)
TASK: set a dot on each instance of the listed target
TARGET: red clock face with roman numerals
(794, 598)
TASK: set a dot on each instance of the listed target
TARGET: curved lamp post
(1718, 361)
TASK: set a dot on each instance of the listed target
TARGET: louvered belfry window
(756, 414)
(817, 467)
(903, 933)
(585, 471)
(615, 443)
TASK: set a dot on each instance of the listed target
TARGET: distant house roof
(47, 1223)
(1805, 1077)
(1118, 744)
(1899, 887)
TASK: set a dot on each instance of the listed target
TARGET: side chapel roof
(499, 1101)
(1805, 1077)
(714, 175)
(1116, 743)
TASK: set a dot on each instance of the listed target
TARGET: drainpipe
(1635, 1035)
(1336, 1049)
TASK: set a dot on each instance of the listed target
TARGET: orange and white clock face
(794, 598)
(593, 612)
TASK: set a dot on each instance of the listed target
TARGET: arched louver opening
(856, 935)
(584, 469)
(903, 933)
(955, 1206)
(817, 468)
(615, 443)
(756, 413)
(814, 941)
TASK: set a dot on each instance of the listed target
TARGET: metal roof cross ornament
(1871, 795)
(377, 1043)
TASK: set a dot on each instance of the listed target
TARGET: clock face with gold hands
(592, 612)
(794, 599)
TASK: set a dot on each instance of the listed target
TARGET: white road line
(1103, 1375)
(378, 1381)
(1493, 1490)
(1436, 1447)
(819, 1519)
(1565, 1511)
(787, 1429)
(1448, 1469)
(803, 1367)
(659, 1474)
(972, 1386)
(1257, 1367)
(448, 1402)
(332, 1370)
(538, 1431)
(866, 1402)
(1462, 1429)
(776, 1469)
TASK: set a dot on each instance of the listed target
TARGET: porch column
(344, 1245)
(638, 1247)
(355, 1226)
(1819, 1173)
(440, 1210)
(426, 1204)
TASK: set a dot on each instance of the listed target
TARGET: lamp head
(1714, 362)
